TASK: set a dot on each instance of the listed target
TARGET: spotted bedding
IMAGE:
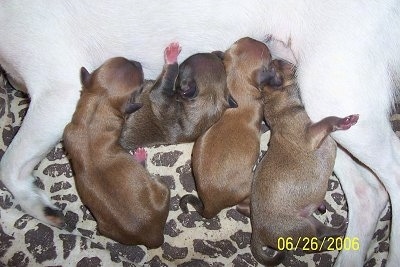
(189, 239)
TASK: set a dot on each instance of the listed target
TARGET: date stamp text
(315, 244)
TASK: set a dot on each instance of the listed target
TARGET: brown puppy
(129, 206)
(181, 104)
(224, 157)
(291, 180)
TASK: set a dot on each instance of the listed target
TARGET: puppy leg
(40, 131)
(366, 199)
(165, 83)
(317, 132)
(171, 53)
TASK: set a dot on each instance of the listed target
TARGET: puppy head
(280, 74)
(201, 86)
(249, 61)
(115, 79)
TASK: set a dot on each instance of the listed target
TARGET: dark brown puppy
(129, 205)
(223, 158)
(181, 104)
(291, 180)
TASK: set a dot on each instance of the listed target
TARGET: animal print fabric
(189, 239)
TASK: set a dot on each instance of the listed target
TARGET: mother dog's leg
(354, 79)
(366, 198)
(41, 129)
(381, 152)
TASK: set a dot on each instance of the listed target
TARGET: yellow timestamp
(315, 244)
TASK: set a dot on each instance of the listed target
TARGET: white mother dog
(348, 56)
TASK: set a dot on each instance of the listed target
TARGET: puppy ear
(219, 54)
(132, 107)
(232, 102)
(85, 77)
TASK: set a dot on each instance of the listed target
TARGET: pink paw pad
(171, 53)
(140, 155)
(349, 121)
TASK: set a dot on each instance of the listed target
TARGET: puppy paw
(171, 53)
(140, 155)
(347, 122)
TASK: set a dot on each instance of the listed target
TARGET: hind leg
(41, 129)
(383, 157)
(366, 199)
(334, 89)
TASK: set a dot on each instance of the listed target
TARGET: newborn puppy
(181, 104)
(291, 180)
(224, 156)
(129, 206)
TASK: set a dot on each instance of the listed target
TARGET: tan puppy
(181, 104)
(129, 206)
(291, 180)
(223, 158)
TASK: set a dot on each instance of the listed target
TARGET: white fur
(348, 56)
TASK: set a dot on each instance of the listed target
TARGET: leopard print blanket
(190, 240)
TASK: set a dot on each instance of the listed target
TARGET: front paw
(171, 53)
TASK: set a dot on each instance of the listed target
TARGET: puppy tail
(267, 256)
(192, 200)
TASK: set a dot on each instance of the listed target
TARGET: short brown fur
(129, 205)
(291, 180)
(223, 158)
